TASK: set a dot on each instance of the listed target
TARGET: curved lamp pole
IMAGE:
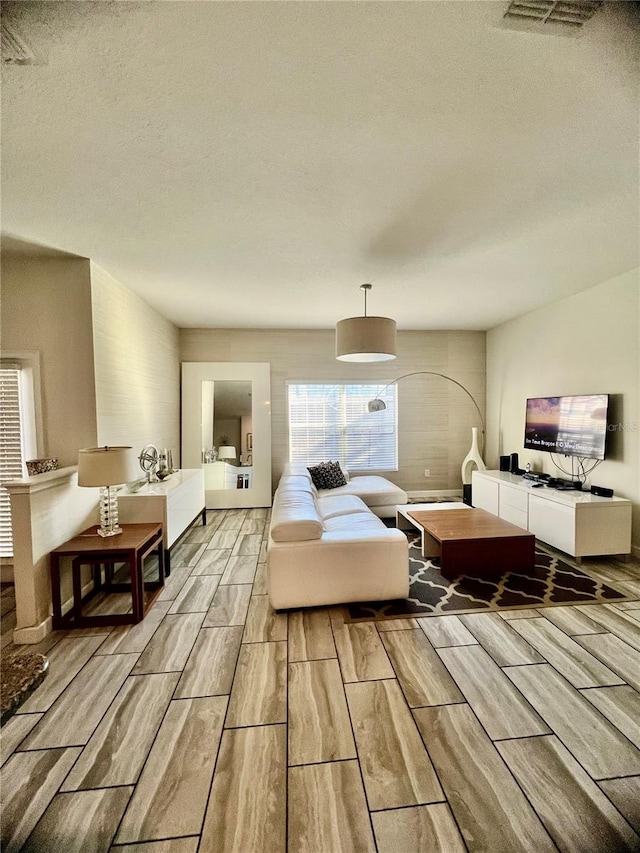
(378, 405)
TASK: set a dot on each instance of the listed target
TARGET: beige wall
(587, 343)
(137, 369)
(46, 307)
(435, 416)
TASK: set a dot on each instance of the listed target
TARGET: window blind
(331, 421)
(11, 453)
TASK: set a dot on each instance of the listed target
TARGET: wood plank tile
(81, 822)
(186, 554)
(489, 807)
(571, 620)
(132, 639)
(29, 781)
(215, 518)
(572, 808)
(259, 695)
(616, 654)
(171, 644)
(524, 613)
(485, 687)
(171, 845)
(229, 606)
(570, 659)
(361, 653)
(73, 717)
(66, 659)
(212, 562)
(253, 525)
(171, 795)
(596, 744)
(625, 795)
(119, 746)
(621, 706)
(627, 605)
(328, 810)
(237, 821)
(319, 727)
(417, 830)
(247, 544)
(505, 646)
(310, 635)
(14, 731)
(196, 594)
(616, 622)
(262, 556)
(211, 664)
(222, 539)
(240, 569)
(173, 585)
(446, 631)
(198, 534)
(397, 625)
(264, 624)
(422, 675)
(260, 579)
(395, 766)
(233, 520)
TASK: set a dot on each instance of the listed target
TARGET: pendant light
(366, 338)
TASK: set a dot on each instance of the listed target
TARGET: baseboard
(436, 493)
(32, 634)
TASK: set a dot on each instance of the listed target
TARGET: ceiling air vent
(550, 15)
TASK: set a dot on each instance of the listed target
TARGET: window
(330, 420)
(19, 413)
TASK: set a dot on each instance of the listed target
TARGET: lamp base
(105, 531)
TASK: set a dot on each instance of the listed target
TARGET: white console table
(578, 523)
(176, 502)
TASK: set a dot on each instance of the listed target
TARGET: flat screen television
(572, 426)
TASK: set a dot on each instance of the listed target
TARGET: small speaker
(505, 463)
(601, 492)
(514, 464)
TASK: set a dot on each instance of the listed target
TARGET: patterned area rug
(553, 582)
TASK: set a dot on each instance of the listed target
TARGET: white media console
(578, 523)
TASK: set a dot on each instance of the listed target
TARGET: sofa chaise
(330, 546)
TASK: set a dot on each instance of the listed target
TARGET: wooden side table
(132, 546)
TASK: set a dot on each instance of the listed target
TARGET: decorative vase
(472, 459)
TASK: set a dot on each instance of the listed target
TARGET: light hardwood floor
(219, 726)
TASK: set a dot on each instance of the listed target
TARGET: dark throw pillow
(327, 475)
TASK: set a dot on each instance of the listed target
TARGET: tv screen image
(573, 426)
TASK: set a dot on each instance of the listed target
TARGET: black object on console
(601, 491)
(514, 464)
(505, 463)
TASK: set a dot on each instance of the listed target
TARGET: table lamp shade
(226, 451)
(106, 466)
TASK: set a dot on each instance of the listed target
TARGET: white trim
(29, 361)
(40, 482)
(34, 633)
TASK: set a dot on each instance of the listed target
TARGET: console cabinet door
(553, 523)
(513, 505)
(484, 494)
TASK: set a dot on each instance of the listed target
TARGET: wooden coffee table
(472, 542)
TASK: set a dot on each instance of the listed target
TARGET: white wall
(587, 343)
(137, 369)
(46, 308)
(435, 417)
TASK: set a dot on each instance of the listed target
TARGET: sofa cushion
(355, 524)
(295, 517)
(332, 505)
(327, 475)
(374, 491)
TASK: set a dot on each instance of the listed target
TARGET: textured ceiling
(249, 164)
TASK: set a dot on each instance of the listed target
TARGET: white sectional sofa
(330, 547)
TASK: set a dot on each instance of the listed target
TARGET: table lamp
(107, 467)
(226, 451)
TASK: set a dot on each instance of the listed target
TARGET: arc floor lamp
(474, 456)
